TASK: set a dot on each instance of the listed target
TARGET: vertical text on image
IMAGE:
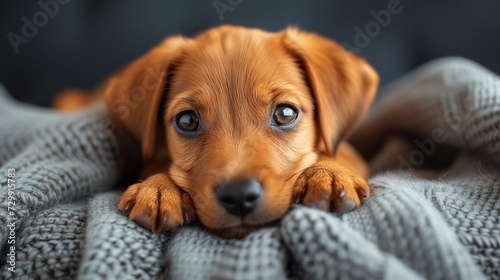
(11, 219)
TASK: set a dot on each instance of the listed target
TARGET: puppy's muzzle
(239, 197)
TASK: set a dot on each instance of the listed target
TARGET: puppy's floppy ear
(134, 94)
(342, 83)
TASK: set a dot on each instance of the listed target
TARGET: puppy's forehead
(237, 66)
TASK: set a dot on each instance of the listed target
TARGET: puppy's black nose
(239, 197)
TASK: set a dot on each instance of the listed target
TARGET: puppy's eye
(284, 114)
(188, 121)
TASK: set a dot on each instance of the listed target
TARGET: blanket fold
(66, 225)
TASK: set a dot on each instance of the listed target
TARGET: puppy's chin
(237, 232)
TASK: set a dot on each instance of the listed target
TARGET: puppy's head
(238, 113)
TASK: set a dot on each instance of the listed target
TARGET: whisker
(275, 71)
(293, 175)
(302, 170)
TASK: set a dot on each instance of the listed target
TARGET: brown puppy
(236, 124)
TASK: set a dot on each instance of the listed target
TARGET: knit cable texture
(69, 172)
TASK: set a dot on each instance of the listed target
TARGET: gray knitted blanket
(58, 216)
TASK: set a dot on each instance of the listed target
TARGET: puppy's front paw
(157, 204)
(329, 186)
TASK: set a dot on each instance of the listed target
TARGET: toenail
(346, 205)
(342, 193)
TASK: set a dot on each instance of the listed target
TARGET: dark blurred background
(49, 45)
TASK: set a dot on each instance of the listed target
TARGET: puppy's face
(238, 111)
(236, 115)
